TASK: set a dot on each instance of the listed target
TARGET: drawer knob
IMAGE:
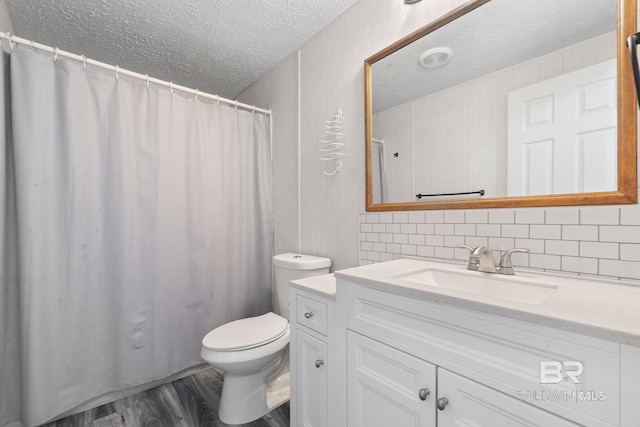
(423, 393)
(319, 363)
(442, 403)
(308, 314)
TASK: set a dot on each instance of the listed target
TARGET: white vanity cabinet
(415, 362)
(390, 387)
(312, 304)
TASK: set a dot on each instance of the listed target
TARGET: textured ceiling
(497, 35)
(216, 46)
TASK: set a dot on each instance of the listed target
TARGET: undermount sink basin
(511, 288)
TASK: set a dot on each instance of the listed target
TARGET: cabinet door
(388, 387)
(471, 404)
(311, 381)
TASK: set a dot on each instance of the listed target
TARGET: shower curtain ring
(236, 104)
(171, 87)
(217, 100)
(147, 80)
(253, 109)
(84, 62)
(117, 73)
(197, 94)
(55, 55)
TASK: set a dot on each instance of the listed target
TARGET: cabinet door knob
(319, 363)
(308, 314)
(423, 393)
(442, 403)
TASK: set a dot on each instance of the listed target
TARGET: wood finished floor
(188, 402)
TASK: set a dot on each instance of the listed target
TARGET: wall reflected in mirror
(513, 98)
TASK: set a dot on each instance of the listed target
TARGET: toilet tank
(290, 267)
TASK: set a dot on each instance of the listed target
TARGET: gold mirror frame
(627, 129)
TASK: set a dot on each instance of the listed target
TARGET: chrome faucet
(481, 259)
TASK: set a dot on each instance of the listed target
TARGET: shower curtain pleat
(143, 220)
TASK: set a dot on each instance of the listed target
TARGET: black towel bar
(420, 196)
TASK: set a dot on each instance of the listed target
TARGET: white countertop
(603, 310)
(324, 285)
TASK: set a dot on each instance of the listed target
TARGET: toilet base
(246, 398)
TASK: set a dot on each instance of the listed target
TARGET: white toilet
(254, 352)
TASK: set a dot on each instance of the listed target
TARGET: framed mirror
(504, 103)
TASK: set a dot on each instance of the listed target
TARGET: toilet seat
(246, 333)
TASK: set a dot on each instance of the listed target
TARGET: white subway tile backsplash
(393, 248)
(547, 262)
(444, 229)
(535, 246)
(373, 218)
(545, 231)
(425, 228)
(386, 237)
(417, 239)
(561, 247)
(580, 265)
(476, 217)
(464, 229)
(622, 234)
(401, 217)
(630, 216)
(401, 238)
(513, 230)
(379, 228)
(623, 269)
(601, 241)
(434, 217)
(426, 251)
(393, 228)
(416, 217)
(630, 252)
(530, 216)
(501, 216)
(580, 232)
(562, 216)
(453, 241)
(408, 250)
(599, 250)
(434, 240)
(408, 228)
(600, 215)
(385, 217)
(489, 230)
(454, 217)
(476, 241)
(501, 243)
(444, 253)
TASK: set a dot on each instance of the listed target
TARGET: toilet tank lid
(294, 261)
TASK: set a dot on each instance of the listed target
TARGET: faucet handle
(473, 263)
(505, 260)
(460, 245)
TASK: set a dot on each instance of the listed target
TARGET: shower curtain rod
(119, 71)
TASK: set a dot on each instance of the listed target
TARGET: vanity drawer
(312, 314)
(500, 352)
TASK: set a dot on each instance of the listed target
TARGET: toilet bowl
(253, 353)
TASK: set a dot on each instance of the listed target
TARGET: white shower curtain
(143, 219)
